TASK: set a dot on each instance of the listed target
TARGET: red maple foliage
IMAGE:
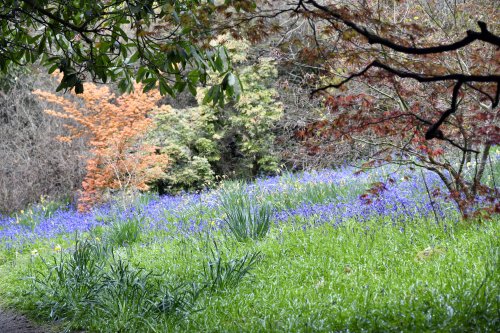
(417, 81)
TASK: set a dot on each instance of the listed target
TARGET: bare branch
(483, 35)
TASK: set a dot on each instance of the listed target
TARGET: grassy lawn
(298, 253)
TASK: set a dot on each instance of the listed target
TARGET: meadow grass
(174, 265)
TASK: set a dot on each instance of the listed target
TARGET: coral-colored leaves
(113, 126)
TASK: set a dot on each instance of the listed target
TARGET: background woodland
(88, 147)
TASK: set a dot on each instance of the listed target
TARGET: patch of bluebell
(326, 196)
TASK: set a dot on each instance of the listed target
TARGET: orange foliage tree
(113, 126)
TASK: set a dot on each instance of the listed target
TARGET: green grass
(123, 233)
(328, 279)
(244, 218)
(354, 277)
(255, 276)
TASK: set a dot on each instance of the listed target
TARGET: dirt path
(11, 322)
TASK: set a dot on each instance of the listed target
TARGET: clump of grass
(179, 299)
(122, 233)
(220, 274)
(65, 287)
(126, 299)
(245, 218)
(94, 289)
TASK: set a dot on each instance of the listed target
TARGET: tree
(162, 44)
(113, 127)
(418, 80)
(207, 142)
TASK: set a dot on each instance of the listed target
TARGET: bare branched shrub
(32, 162)
(298, 146)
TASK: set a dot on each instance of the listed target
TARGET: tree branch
(433, 132)
(484, 35)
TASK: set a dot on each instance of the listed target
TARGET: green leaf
(53, 68)
(150, 80)
(180, 86)
(123, 85)
(71, 80)
(192, 89)
(193, 76)
(220, 99)
(134, 57)
(209, 95)
(61, 86)
(219, 66)
(216, 95)
(104, 46)
(165, 88)
(149, 86)
(41, 46)
(140, 74)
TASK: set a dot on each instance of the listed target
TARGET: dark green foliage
(125, 232)
(111, 41)
(207, 142)
(93, 288)
(245, 130)
(220, 274)
(184, 135)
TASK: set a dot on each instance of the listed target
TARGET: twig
(430, 197)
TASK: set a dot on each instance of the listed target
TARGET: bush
(184, 136)
(113, 126)
(34, 164)
(205, 142)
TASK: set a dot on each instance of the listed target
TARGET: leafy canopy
(164, 44)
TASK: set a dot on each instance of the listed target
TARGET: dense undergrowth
(292, 253)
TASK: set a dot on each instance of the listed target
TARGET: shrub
(113, 127)
(236, 140)
(184, 136)
(34, 164)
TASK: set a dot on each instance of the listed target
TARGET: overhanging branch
(471, 36)
(433, 132)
